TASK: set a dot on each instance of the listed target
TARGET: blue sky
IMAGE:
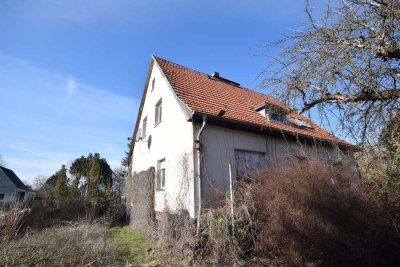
(72, 72)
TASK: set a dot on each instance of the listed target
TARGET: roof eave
(241, 125)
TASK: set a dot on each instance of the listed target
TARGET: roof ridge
(179, 65)
(13, 177)
(5, 168)
(202, 73)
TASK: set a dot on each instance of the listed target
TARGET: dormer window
(272, 112)
(277, 117)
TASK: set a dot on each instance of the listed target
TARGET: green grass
(134, 247)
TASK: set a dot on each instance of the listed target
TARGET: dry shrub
(47, 213)
(175, 233)
(11, 221)
(223, 240)
(139, 192)
(316, 213)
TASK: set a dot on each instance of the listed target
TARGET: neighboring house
(192, 126)
(12, 188)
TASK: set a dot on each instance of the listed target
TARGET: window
(144, 132)
(161, 174)
(277, 117)
(248, 161)
(300, 123)
(158, 117)
(1, 196)
(153, 84)
(272, 112)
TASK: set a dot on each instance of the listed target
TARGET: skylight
(301, 123)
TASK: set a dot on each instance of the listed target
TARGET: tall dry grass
(71, 232)
(74, 244)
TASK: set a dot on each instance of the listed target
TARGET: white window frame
(144, 127)
(153, 83)
(158, 113)
(161, 174)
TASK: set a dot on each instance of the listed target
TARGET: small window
(277, 117)
(144, 132)
(161, 174)
(1, 196)
(247, 161)
(153, 84)
(158, 115)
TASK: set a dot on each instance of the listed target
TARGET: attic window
(272, 112)
(153, 84)
(300, 123)
(144, 132)
(158, 113)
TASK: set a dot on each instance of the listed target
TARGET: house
(12, 188)
(196, 129)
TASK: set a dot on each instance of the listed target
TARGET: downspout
(198, 176)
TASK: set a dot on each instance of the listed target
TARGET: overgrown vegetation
(317, 213)
(75, 244)
(291, 213)
(66, 225)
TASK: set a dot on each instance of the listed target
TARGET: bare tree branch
(347, 61)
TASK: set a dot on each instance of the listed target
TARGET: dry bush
(42, 237)
(319, 214)
(72, 245)
(48, 212)
(223, 240)
(139, 193)
(175, 232)
(11, 221)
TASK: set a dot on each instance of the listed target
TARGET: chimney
(215, 76)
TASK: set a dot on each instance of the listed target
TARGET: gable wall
(172, 140)
(7, 188)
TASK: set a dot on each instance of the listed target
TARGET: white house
(12, 188)
(192, 126)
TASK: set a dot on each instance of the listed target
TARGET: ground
(81, 244)
(134, 248)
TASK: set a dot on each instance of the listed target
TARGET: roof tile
(203, 94)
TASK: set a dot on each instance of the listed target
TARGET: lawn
(133, 247)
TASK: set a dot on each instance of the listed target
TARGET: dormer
(272, 112)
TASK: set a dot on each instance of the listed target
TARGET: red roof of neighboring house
(203, 94)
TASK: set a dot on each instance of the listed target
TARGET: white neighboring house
(12, 188)
(191, 126)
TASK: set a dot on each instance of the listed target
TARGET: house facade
(12, 188)
(202, 131)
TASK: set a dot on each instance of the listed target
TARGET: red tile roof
(205, 95)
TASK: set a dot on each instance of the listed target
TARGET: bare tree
(345, 64)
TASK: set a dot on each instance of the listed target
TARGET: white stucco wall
(171, 139)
